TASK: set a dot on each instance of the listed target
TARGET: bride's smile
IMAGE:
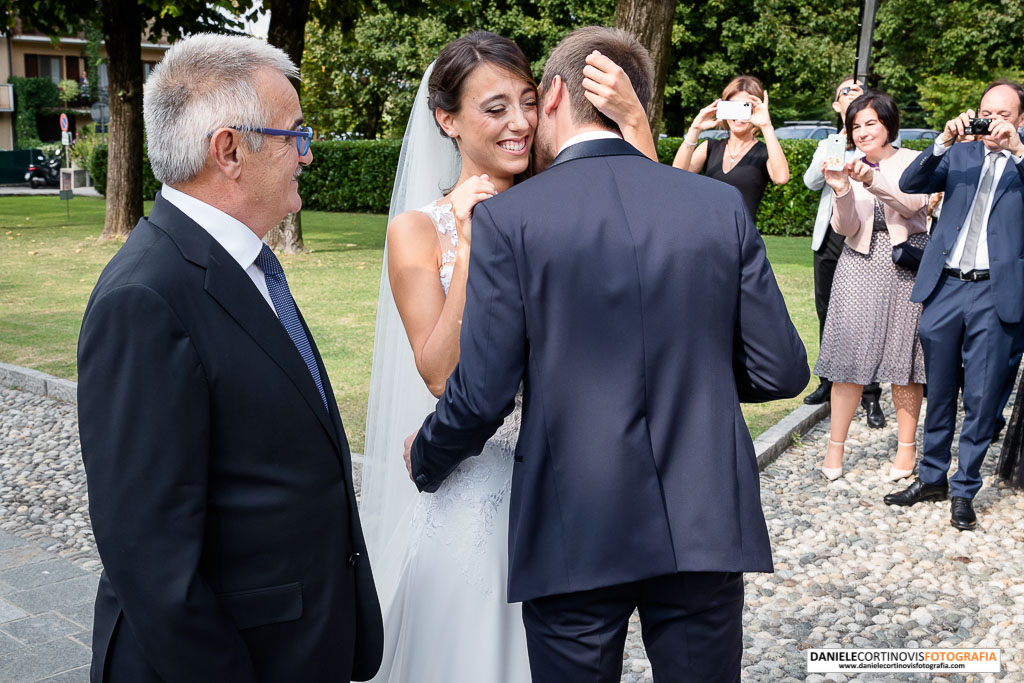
(514, 146)
(494, 123)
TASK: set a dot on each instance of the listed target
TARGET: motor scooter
(44, 171)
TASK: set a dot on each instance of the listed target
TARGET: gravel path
(850, 571)
(42, 481)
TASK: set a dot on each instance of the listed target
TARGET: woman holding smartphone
(741, 160)
(871, 328)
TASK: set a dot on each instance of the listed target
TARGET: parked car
(805, 130)
(918, 134)
(713, 134)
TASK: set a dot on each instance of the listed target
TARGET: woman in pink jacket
(871, 328)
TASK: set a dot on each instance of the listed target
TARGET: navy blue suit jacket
(220, 489)
(635, 303)
(957, 173)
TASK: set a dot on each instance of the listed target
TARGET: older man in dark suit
(635, 303)
(971, 282)
(219, 474)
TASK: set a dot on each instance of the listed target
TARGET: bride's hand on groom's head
(464, 198)
(607, 87)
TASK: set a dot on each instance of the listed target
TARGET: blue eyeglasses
(303, 136)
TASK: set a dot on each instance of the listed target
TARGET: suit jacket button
(944, 252)
(421, 479)
(352, 558)
(958, 228)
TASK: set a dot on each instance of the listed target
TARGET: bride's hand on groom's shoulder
(473, 190)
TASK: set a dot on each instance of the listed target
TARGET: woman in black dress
(740, 160)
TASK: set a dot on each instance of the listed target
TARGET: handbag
(906, 255)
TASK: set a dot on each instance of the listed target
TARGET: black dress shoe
(917, 492)
(820, 395)
(961, 514)
(876, 418)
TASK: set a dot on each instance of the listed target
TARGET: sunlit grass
(48, 266)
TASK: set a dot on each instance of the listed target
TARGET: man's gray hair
(203, 83)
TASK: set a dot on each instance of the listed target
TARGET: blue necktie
(277, 285)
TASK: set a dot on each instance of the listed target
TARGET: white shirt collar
(237, 239)
(587, 137)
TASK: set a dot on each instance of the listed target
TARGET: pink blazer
(905, 214)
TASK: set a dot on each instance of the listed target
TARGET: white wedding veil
(399, 400)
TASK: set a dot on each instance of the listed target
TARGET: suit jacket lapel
(1005, 180)
(234, 291)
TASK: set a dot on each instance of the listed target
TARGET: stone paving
(850, 571)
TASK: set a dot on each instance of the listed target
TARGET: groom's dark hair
(570, 56)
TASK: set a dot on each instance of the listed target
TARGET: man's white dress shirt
(238, 240)
(981, 256)
(587, 137)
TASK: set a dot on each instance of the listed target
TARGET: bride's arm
(607, 87)
(432, 321)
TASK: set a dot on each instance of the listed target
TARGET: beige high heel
(895, 474)
(833, 473)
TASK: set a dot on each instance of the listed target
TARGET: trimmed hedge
(346, 175)
(357, 175)
(98, 172)
(350, 175)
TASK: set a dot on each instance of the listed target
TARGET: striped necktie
(277, 285)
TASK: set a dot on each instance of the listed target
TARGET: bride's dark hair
(458, 59)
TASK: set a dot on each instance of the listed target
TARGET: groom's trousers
(692, 630)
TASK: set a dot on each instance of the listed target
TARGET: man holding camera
(971, 282)
(828, 245)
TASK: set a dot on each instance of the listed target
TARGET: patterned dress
(871, 328)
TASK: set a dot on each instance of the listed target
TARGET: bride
(441, 559)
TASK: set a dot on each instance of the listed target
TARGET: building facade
(29, 54)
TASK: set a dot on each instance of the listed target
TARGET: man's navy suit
(220, 487)
(973, 324)
(635, 304)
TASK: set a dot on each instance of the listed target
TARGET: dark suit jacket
(957, 173)
(220, 489)
(635, 302)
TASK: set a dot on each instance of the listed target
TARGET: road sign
(65, 138)
(63, 122)
(100, 112)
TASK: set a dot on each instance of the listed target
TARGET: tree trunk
(122, 29)
(286, 236)
(288, 32)
(651, 22)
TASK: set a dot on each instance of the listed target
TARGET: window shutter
(71, 69)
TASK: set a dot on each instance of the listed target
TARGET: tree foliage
(360, 82)
(925, 52)
(31, 96)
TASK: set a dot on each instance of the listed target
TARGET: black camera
(978, 126)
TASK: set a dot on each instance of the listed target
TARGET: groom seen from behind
(618, 290)
(220, 484)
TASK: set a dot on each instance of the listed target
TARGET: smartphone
(835, 152)
(735, 111)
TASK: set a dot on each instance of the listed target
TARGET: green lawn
(48, 266)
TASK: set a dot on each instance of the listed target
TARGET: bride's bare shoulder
(412, 232)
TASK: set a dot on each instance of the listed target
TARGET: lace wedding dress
(448, 621)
